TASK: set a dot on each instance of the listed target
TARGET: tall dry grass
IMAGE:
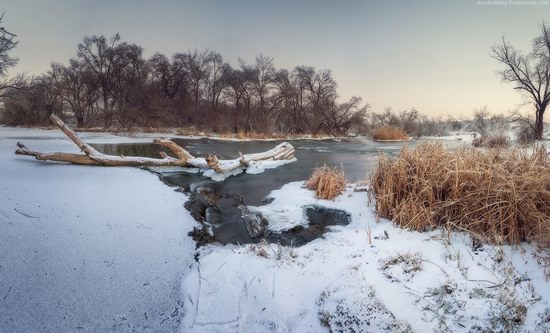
(500, 195)
(327, 182)
(389, 133)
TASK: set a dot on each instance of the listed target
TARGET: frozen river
(87, 249)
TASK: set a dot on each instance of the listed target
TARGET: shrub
(389, 133)
(502, 196)
(497, 141)
(478, 142)
(492, 141)
(525, 135)
(327, 182)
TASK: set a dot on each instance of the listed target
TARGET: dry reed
(327, 182)
(500, 195)
(389, 133)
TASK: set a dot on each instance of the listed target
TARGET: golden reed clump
(327, 182)
(388, 133)
(500, 195)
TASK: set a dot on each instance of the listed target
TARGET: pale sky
(431, 55)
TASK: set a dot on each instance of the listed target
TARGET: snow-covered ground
(87, 248)
(367, 276)
(107, 249)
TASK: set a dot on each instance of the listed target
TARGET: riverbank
(367, 276)
(187, 134)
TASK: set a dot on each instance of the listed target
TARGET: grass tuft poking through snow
(342, 313)
(327, 182)
(502, 196)
(401, 266)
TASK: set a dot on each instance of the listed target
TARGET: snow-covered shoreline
(398, 281)
(110, 137)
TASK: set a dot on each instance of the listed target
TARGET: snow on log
(90, 156)
(283, 151)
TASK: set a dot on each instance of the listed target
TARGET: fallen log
(91, 156)
(283, 151)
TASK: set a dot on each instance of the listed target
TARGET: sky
(430, 55)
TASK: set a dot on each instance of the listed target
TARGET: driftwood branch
(283, 151)
(91, 156)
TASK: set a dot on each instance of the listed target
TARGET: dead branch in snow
(90, 156)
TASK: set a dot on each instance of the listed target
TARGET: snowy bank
(365, 276)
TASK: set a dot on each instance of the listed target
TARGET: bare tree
(386, 118)
(80, 92)
(409, 120)
(8, 43)
(215, 81)
(171, 76)
(289, 118)
(32, 103)
(481, 121)
(530, 73)
(197, 64)
(233, 95)
(99, 55)
(340, 118)
(321, 93)
(262, 81)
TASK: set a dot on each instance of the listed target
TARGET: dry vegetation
(389, 133)
(327, 182)
(500, 195)
(492, 141)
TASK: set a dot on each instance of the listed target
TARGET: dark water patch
(320, 220)
(131, 149)
(216, 203)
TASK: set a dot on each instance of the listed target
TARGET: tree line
(110, 84)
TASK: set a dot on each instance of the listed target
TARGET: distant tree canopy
(110, 84)
(529, 72)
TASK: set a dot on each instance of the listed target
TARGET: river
(356, 156)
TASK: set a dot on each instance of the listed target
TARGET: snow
(399, 281)
(286, 210)
(257, 167)
(106, 249)
(91, 248)
(216, 176)
(465, 136)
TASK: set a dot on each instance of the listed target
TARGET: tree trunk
(106, 112)
(539, 122)
(90, 156)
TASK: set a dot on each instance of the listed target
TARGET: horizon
(432, 56)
